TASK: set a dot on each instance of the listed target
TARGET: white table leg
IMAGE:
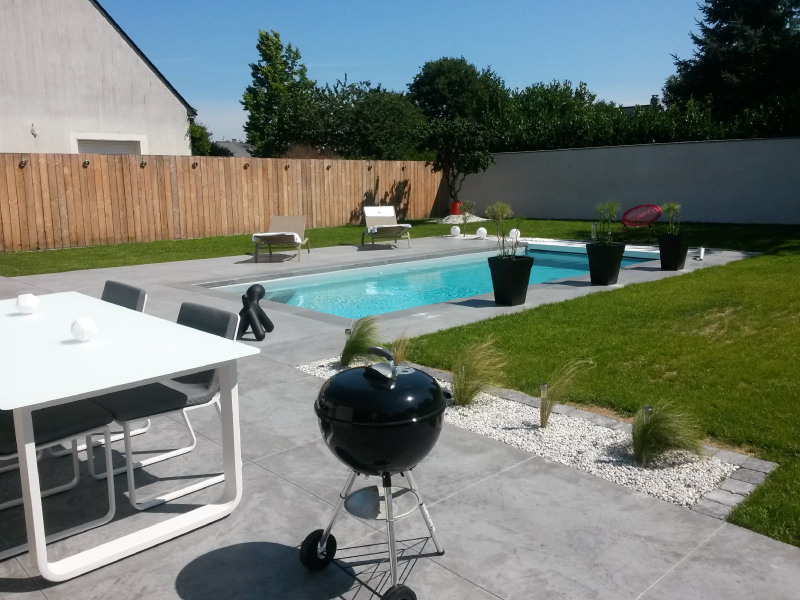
(31, 493)
(99, 556)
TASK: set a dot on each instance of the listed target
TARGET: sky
(621, 48)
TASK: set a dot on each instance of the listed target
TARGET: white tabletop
(40, 362)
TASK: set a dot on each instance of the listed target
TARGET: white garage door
(108, 147)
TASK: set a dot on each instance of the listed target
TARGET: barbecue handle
(382, 352)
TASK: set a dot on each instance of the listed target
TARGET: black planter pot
(510, 277)
(604, 262)
(673, 250)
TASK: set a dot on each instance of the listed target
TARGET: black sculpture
(252, 316)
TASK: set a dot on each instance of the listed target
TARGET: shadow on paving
(259, 570)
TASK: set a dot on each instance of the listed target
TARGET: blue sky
(620, 48)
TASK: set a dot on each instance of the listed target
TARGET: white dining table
(42, 365)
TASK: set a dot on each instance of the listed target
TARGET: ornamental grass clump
(557, 391)
(362, 335)
(666, 427)
(400, 348)
(472, 369)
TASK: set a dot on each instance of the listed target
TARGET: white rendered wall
(739, 181)
(66, 70)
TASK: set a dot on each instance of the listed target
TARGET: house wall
(738, 181)
(68, 72)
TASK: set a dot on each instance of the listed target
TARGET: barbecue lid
(380, 394)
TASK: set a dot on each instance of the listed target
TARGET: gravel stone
(737, 487)
(678, 477)
(750, 476)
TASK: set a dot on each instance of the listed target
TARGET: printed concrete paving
(513, 525)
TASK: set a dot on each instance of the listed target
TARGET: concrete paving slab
(546, 530)
(250, 554)
(733, 564)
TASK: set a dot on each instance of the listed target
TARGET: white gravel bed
(678, 477)
(459, 220)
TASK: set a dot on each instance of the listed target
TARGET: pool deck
(513, 525)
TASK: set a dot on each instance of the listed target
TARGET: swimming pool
(356, 293)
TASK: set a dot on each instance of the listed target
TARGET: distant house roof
(241, 149)
(191, 111)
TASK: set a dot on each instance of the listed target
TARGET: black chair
(178, 395)
(124, 295)
(55, 425)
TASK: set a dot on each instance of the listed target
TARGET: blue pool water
(356, 293)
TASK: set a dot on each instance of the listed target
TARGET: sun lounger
(283, 231)
(382, 225)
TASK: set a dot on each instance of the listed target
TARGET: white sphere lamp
(514, 234)
(455, 230)
(27, 303)
(84, 329)
(481, 233)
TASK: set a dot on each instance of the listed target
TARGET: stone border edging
(717, 504)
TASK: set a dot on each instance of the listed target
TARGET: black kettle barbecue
(379, 420)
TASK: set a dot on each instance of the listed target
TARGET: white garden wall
(737, 181)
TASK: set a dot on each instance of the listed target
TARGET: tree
(200, 138)
(461, 149)
(217, 150)
(281, 101)
(451, 88)
(464, 107)
(747, 56)
(362, 122)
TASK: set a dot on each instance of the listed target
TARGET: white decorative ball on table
(455, 230)
(27, 303)
(481, 233)
(513, 234)
(84, 329)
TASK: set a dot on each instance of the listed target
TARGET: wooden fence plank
(5, 210)
(86, 215)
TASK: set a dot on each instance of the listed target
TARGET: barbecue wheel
(399, 592)
(309, 556)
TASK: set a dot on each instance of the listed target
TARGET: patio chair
(283, 231)
(382, 224)
(62, 424)
(126, 296)
(643, 215)
(175, 396)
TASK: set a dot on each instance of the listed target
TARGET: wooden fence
(72, 200)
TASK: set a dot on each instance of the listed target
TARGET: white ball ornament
(514, 234)
(27, 303)
(84, 329)
(481, 233)
(455, 230)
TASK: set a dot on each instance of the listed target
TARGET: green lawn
(55, 261)
(724, 342)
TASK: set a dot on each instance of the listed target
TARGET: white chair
(382, 224)
(178, 395)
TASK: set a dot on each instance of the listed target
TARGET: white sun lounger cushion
(264, 237)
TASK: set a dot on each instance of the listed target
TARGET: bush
(363, 334)
(472, 369)
(668, 427)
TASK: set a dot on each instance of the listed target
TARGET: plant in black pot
(605, 255)
(673, 245)
(511, 273)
